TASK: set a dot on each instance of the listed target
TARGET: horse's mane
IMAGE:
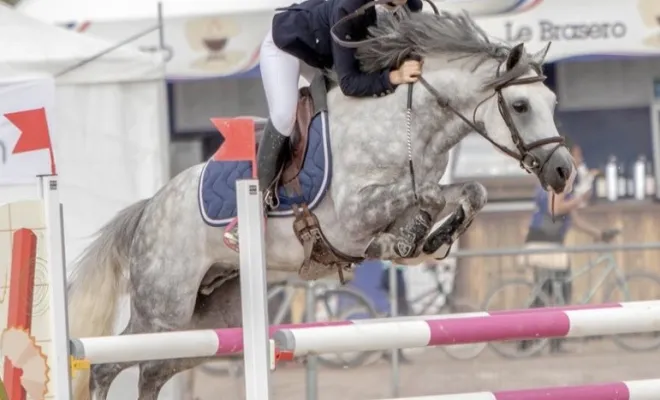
(398, 35)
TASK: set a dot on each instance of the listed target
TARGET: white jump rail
(638, 317)
(625, 390)
(223, 342)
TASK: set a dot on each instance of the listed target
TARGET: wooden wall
(639, 222)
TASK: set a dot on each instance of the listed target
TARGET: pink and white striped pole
(636, 317)
(223, 342)
(626, 390)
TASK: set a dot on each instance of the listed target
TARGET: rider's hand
(409, 72)
(608, 234)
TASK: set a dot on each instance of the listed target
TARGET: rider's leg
(280, 73)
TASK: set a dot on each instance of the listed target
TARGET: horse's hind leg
(471, 197)
(155, 374)
(412, 222)
(102, 377)
(219, 309)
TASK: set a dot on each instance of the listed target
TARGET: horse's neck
(462, 87)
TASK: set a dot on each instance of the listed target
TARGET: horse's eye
(520, 106)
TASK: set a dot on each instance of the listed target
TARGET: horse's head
(498, 91)
(519, 119)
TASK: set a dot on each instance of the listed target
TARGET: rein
(528, 161)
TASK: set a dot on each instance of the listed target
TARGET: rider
(300, 37)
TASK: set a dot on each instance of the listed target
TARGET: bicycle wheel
(516, 294)
(462, 351)
(338, 305)
(624, 291)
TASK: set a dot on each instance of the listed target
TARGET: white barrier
(254, 300)
(637, 317)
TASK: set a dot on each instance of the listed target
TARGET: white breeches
(280, 73)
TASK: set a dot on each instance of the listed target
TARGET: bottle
(639, 178)
(611, 178)
(650, 181)
(585, 182)
(622, 181)
(600, 189)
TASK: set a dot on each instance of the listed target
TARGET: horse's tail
(99, 278)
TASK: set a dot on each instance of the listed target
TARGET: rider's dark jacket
(303, 30)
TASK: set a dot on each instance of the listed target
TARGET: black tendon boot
(269, 156)
(411, 234)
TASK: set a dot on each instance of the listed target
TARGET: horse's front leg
(408, 228)
(470, 198)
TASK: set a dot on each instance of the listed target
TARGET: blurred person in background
(547, 230)
(299, 40)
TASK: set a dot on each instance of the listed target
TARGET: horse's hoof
(444, 235)
(436, 240)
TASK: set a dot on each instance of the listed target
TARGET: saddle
(311, 101)
(320, 256)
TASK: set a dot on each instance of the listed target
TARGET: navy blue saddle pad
(217, 184)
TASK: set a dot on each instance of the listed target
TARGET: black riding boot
(269, 156)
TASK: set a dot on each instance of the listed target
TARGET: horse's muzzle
(558, 172)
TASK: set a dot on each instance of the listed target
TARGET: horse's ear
(539, 57)
(515, 55)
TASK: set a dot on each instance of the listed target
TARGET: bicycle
(337, 303)
(536, 297)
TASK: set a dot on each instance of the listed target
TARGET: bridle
(528, 161)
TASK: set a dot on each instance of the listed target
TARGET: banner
(582, 28)
(228, 45)
(25, 147)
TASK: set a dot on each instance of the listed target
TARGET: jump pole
(639, 317)
(229, 341)
(625, 390)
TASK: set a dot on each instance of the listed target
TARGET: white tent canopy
(31, 45)
(63, 11)
(109, 134)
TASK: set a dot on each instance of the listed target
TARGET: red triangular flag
(239, 144)
(34, 135)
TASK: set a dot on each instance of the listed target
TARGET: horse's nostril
(563, 173)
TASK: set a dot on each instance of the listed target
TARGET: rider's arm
(585, 226)
(562, 205)
(352, 81)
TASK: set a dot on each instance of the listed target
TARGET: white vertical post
(253, 289)
(60, 378)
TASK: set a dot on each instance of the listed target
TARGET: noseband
(528, 161)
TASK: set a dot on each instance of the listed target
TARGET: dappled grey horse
(181, 276)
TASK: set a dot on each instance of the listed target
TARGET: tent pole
(106, 51)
